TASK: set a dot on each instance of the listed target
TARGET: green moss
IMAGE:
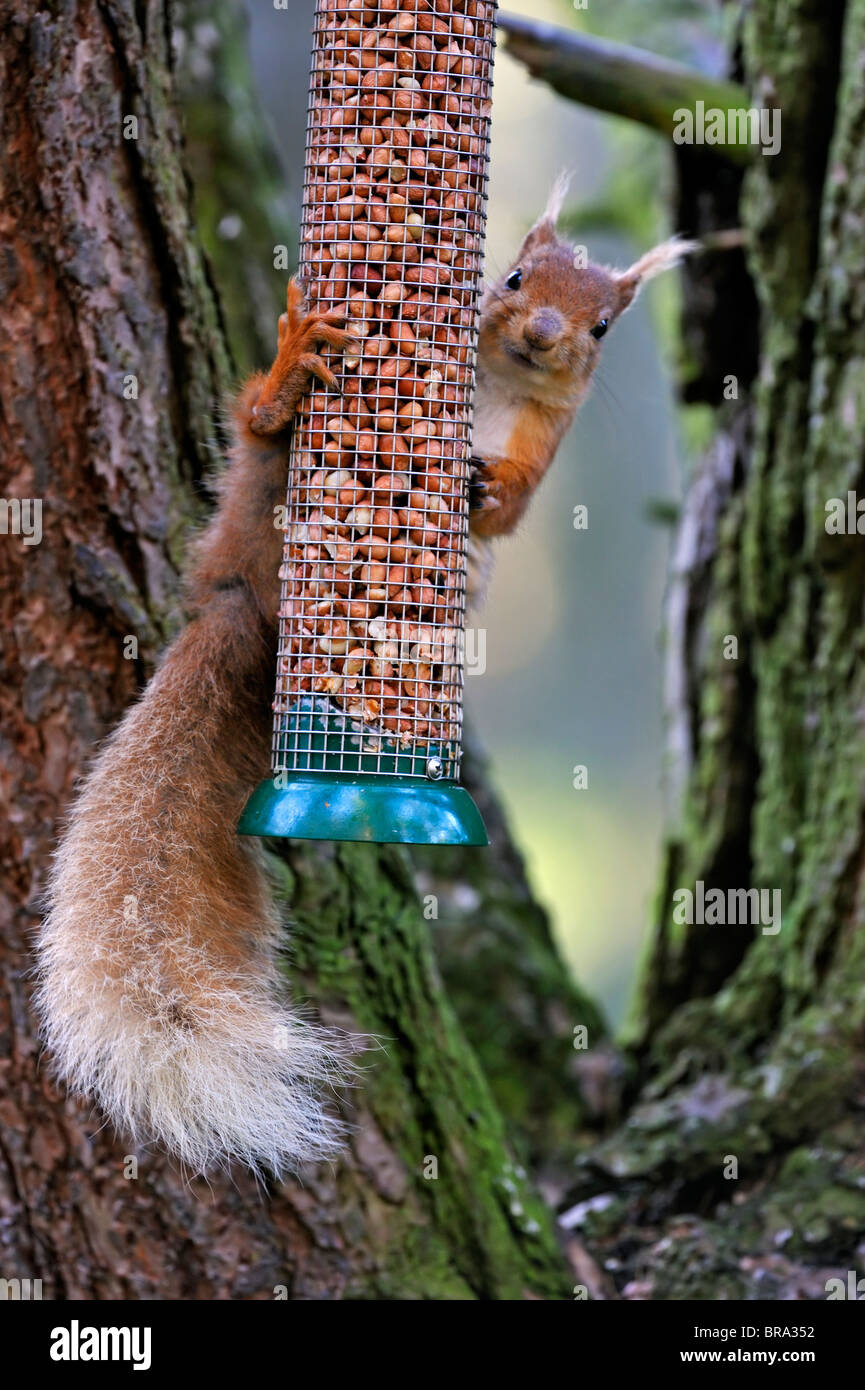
(751, 1046)
(241, 209)
(361, 948)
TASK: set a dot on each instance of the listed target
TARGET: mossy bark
(739, 1169)
(104, 280)
(239, 197)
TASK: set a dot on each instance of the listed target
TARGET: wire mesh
(370, 668)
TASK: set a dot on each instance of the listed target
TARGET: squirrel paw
(300, 334)
(483, 486)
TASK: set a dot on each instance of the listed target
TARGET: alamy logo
(713, 907)
(20, 1290)
(77, 1343)
(22, 516)
(711, 125)
(854, 1289)
(845, 516)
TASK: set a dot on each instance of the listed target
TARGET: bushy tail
(157, 973)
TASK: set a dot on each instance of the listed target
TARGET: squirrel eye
(599, 329)
(514, 280)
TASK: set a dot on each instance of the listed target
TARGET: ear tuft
(544, 229)
(556, 200)
(660, 258)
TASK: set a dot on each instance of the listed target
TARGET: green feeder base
(383, 809)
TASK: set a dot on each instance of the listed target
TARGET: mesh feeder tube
(368, 706)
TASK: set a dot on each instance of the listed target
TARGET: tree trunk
(737, 1172)
(105, 289)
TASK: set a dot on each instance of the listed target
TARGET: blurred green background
(574, 658)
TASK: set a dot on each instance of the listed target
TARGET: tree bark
(104, 280)
(737, 1170)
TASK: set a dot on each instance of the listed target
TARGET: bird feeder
(368, 706)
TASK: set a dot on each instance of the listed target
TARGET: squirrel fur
(158, 982)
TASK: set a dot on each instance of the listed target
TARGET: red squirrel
(158, 983)
(542, 325)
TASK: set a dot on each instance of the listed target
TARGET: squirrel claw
(301, 334)
(481, 498)
(317, 367)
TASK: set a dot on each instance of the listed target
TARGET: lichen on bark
(750, 1044)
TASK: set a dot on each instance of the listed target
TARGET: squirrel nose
(544, 329)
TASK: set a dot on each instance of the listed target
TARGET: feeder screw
(435, 768)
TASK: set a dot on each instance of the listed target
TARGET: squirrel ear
(544, 229)
(662, 257)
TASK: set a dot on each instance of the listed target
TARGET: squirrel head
(543, 321)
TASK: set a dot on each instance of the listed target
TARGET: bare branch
(616, 78)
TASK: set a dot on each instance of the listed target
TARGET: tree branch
(616, 78)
